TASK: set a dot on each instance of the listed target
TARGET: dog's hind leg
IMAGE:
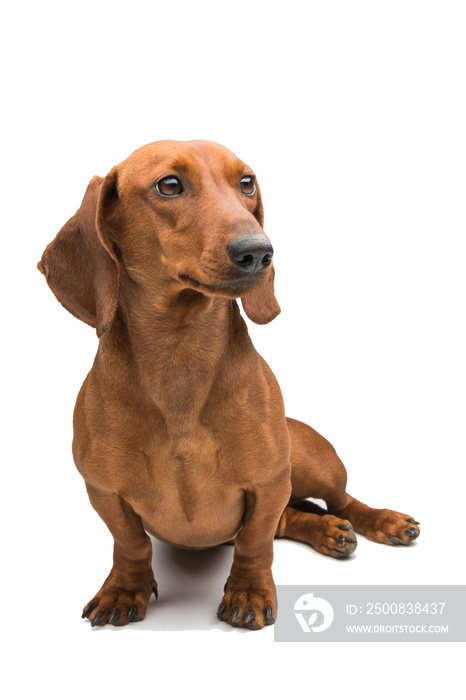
(326, 533)
(318, 472)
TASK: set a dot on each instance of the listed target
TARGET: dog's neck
(178, 344)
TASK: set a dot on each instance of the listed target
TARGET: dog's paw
(393, 528)
(335, 537)
(118, 606)
(252, 608)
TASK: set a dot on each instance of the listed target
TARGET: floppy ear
(259, 303)
(80, 265)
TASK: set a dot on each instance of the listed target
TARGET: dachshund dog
(179, 427)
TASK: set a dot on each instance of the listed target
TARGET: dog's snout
(250, 253)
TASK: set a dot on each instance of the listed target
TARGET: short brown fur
(179, 428)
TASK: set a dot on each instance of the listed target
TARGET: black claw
(132, 612)
(97, 619)
(253, 625)
(411, 520)
(251, 622)
(342, 526)
(393, 539)
(268, 615)
(114, 618)
(155, 591)
(87, 610)
(225, 586)
(221, 610)
(341, 540)
(233, 617)
(339, 554)
(410, 533)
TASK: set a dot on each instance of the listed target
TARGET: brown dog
(179, 427)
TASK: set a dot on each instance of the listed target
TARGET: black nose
(251, 253)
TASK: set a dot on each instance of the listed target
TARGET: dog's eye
(247, 184)
(169, 186)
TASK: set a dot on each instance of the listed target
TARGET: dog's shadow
(190, 587)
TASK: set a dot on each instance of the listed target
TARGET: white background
(353, 116)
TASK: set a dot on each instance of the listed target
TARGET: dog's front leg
(126, 591)
(250, 598)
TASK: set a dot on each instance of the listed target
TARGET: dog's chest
(185, 491)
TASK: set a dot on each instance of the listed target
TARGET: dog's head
(177, 213)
